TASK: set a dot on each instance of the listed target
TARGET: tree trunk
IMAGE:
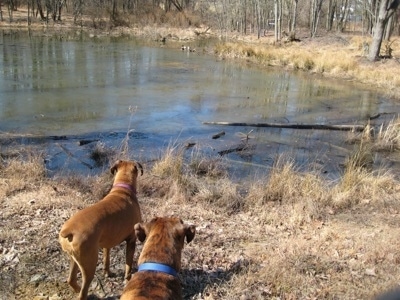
(316, 6)
(29, 12)
(378, 30)
(294, 23)
(1, 11)
(330, 16)
(10, 8)
(39, 9)
(386, 9)
(389, 28)
(344, 10)
(278, 22)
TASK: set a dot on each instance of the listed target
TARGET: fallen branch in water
(218, 135)
(293, 126)
(84, 142)
(236, 149)
(239, 148)
(69, 153)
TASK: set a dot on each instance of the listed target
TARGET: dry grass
(290, 235)
(23, 172)
(388, 136)
(101, 154)
(332, 56)
(170, 163)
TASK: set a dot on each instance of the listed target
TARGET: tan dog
(160, 260)
(103, 225)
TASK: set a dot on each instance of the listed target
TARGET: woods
(282, 19)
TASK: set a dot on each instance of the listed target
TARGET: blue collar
(149, 266)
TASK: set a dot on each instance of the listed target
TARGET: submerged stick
(69, 153)
(293, 126)
(237, 149)
(218, 135)
(84, 142)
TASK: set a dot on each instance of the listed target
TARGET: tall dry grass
(25, 170)
(309, 194)
(288, 234)
(206, 180)
(388, 136)
(342, 58)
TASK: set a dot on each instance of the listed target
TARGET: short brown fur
(103, 225)
(164, 239)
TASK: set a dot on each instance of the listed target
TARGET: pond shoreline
(344, 57)
(157, 37)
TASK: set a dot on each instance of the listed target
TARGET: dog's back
(117, 213)
(103, 225)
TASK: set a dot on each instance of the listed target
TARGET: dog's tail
(66, 233)
(65, 238)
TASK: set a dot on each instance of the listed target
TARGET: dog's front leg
(130, 250)
(106, 261)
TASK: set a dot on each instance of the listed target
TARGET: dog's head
(164, 239)
(128, 169)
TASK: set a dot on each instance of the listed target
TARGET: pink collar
(126, 186)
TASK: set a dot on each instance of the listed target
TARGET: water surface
(102, 88)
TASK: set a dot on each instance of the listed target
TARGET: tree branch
(293, 126)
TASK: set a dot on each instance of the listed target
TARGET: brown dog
(103, 225)
(160, 260)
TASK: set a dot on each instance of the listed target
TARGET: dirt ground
(271, 251)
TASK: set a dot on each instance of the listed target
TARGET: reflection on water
(55, 86)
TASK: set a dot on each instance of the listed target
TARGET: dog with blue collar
(160, 260)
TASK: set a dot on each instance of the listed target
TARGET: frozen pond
(75, 88)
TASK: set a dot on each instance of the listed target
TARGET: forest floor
(290, 235)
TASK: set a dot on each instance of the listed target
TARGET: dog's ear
(139, 167)
(114, 168)
(190, 231)
(140, 232)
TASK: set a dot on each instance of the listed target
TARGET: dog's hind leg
(72, 278)
(106, 261)
(88, 268)
(130, 250)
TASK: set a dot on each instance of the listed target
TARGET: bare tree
(1, 11)
(78, 10)
(330, 15)
(294, 20)
(370, 12)
(342, 15)
(386, 10)
(257, 8)
(389, 27)
(316, 6)
(278, 21)
(10, 9)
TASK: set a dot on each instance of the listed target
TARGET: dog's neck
(125, 186)
(157, 267)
